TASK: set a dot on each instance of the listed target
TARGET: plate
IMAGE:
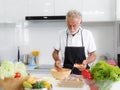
(38, 89)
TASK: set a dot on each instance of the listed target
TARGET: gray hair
(73, 14)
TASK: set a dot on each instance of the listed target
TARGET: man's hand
(58, 65)
(81, 66)
(85, 62)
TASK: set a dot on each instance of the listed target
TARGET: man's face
(73, 24)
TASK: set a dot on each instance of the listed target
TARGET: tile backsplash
(41, 35)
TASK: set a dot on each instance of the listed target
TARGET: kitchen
(101, 17)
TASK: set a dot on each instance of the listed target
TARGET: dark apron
(74, 55)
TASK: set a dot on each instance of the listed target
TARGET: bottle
(18, 56)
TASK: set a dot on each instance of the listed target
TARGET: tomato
(17, 75)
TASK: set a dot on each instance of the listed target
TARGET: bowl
(62, 74)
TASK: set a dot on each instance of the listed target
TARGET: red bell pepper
(86, 74)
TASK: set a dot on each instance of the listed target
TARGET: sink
(44, 67)
(38, 69)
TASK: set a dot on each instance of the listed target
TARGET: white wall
(40, 35)
(104, 34)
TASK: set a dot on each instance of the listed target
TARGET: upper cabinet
(98, 10)
(12, 11)
(2, 11)
(62, 6)
(92, 10)
(40, 8)
(118, 10)
(15, 10)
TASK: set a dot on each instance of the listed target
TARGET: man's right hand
(58, 65)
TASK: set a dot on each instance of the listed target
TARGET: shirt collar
(80, 29)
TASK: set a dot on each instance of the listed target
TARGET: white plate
(38, 89)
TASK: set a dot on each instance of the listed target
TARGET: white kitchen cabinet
(15, 10)
(12, 11)
(98, 10)
(92, 10)
(118, 9)
(62, 6)
(40, 8)
(2, 11)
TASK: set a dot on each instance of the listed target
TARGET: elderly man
(76, 45)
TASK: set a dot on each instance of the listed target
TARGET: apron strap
(67, 38)
(82, 38)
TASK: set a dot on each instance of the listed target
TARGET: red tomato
(17, 75)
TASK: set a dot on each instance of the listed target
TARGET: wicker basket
(12, 83)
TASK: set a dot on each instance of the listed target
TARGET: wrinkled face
(73, 24)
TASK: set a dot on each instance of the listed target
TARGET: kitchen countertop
(48, 76)
(54, 82)
(43, 71)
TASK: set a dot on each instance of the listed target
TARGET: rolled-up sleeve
(57, 42)
(91, 45)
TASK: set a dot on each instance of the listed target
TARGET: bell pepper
(86, 74)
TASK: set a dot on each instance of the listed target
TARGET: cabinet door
(15, 10)
(63, 6)
(40, 7)
(98, 10)
(118, 10)
(2, 11)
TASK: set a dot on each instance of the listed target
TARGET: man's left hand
(84, 64)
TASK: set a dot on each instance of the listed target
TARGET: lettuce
(103, 71)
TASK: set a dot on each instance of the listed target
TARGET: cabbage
(20, 67)
(8, 69)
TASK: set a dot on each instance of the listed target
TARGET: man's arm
(91, 58)
(57, 59)
(56, 55)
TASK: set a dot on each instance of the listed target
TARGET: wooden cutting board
(71, 83)
(12, 83)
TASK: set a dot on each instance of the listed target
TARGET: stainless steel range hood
(45, 18)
